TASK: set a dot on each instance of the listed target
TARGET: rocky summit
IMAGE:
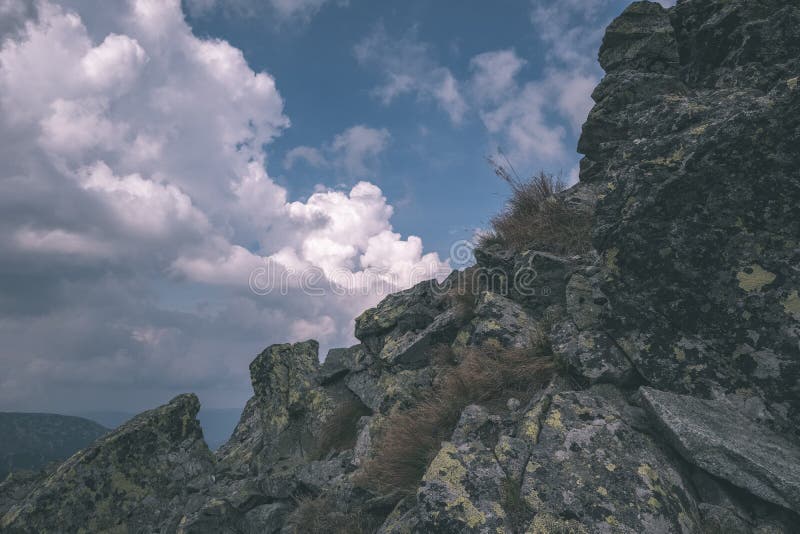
(651, 384)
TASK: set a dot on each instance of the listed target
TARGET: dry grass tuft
(319, 515)
(340, 430)
(412, 438)
(538, 217)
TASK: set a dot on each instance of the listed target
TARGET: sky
(185, 183)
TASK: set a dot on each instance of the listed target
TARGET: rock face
(677, 342)
(32, 440)
(138, 478)
(693, 147)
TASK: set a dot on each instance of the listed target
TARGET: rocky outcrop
(693, 147)
(138, 478)
(677, 342)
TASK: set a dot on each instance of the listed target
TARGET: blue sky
(185, 183)
(432, 170)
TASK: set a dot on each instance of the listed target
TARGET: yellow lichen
(533, 500)
(497, 509)
(448, 470)
(545, 523)
(611, 260)
(611, 467)
(602, 491)
(792, 305)
(755, 279)
(792, 83)
(699, 130)
(554, 420)
(680, 354)
(653, 502)
(670, 160)
(531, 420)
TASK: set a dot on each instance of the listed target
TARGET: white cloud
(407, 66)
(533, 120)
(60, 241)
(353, 152)
(494, 73)
(312, 156)
(135, 205)
(116, 62)
(357, 147)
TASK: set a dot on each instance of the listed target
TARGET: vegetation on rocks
(538, 216)
(486, 374)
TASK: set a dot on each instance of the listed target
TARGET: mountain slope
(32, 440)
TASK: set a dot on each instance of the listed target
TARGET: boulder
(714, 437)
(590, 465)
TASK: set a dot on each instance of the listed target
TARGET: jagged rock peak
(137, 478)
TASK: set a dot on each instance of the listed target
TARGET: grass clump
(320, 515)
(483, 375)
(340, 430)
(538, 217)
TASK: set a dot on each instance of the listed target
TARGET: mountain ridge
(661, 367)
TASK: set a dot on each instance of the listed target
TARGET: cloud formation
(407, 66)
(353, 153)
(135, 206)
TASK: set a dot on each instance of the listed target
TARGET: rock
(339, 362)
(462, 489)
(412, 349)
(592, 355)
(587, 463)
(539, 279)
(642, 38)
(409, 310)
(722, 442)
(500, 320)
(18, 485)
(692, 148)
(138, 478)
(287, 408)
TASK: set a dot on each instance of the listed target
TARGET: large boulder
(717, 438)
(591, 465)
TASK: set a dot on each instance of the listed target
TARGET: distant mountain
(31, 440)
(217, 423)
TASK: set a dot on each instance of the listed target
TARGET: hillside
(32, 440)
(643, 379)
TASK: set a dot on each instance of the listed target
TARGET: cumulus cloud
(353, 152)
(135, 207)
(407, 66)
